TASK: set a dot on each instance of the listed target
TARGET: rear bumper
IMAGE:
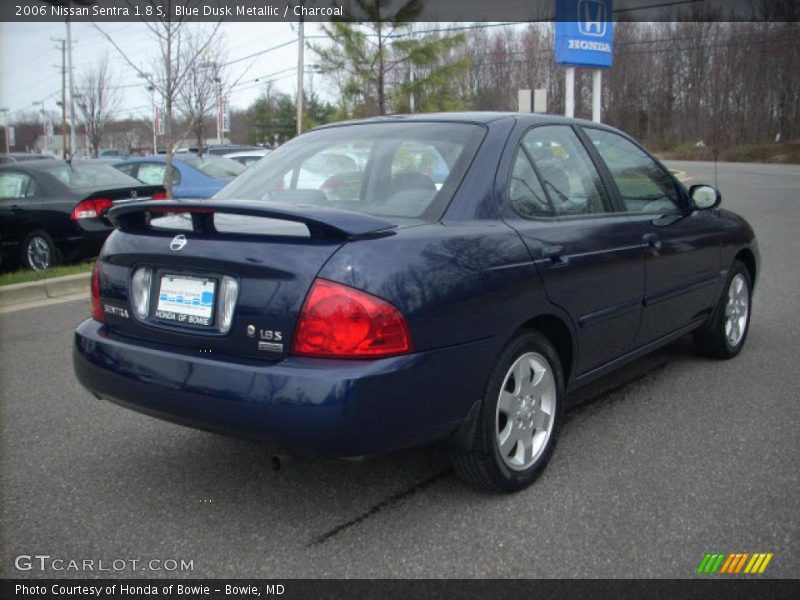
(335, 407)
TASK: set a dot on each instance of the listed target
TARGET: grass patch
(25, 276)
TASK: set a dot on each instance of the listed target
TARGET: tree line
(672, 84)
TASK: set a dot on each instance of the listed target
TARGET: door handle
(652, 241)
(556, 254)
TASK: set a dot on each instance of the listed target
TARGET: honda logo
(178, 242)
(592, 18)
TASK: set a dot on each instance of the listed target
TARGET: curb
(20, 293)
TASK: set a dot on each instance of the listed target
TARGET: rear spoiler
(320, 220)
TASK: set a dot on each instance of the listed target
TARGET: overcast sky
(30, 62)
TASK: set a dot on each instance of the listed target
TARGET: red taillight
(91, 208)
(338, 321)
(97, 307)
(159, 196)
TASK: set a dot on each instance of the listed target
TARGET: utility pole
(300, 44)
(72, 138)
(64, 133)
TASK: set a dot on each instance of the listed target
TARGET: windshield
(396, 169)
(81, 175)
(215, 167)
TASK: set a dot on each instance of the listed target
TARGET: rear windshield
(82, 175)
(394, 169)
(215, 167)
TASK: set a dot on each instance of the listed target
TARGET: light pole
(151, 88)
(44, 120)
(152, 91)
(220, 115)
(215, 77)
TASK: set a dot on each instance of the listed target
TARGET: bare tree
(171, 68)
(97, 100)
(205, 85)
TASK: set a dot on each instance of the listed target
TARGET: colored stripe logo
(734, 563)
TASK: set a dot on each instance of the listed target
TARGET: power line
(249, 56)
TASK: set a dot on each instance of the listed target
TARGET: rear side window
(82, 175)
(150, 173)
(642, 183)
(397, 169)
(569, 177)
(16, 185)
(525, 191)
(215, 167)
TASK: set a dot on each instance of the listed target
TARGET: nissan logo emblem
(178, 242)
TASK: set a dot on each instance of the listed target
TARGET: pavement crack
(386, 503)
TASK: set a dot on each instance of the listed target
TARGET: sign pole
(569, 92)
(597, 94)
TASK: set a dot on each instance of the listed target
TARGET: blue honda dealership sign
(584, 33)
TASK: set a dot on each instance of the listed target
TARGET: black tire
(39, 252)
(483, 465)
(712, 339)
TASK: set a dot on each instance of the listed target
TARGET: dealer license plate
(187, 300)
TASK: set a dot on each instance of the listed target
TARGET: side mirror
(704, 197)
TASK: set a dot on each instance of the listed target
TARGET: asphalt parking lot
(674, 457)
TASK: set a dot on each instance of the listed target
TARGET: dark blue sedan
(336, 298)
(193, 176)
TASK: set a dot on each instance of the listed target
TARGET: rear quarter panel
(454, 282)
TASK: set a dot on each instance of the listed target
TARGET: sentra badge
(116, 311)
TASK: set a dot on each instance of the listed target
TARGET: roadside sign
(223, 116)
(158, 123)
(584, 33)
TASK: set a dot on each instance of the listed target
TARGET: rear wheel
(39, 252)
(725, 334)
(519, 417)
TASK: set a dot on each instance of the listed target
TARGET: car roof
(162, 158)
(480, 117)
(34, 164)
(27, 156)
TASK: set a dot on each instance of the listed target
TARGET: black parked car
(51, 211)
(446, 277)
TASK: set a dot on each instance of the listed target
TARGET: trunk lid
(194, 248)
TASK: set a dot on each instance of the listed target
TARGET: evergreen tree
(370, 55)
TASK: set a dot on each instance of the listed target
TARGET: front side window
(642, 183)
(568, 175)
